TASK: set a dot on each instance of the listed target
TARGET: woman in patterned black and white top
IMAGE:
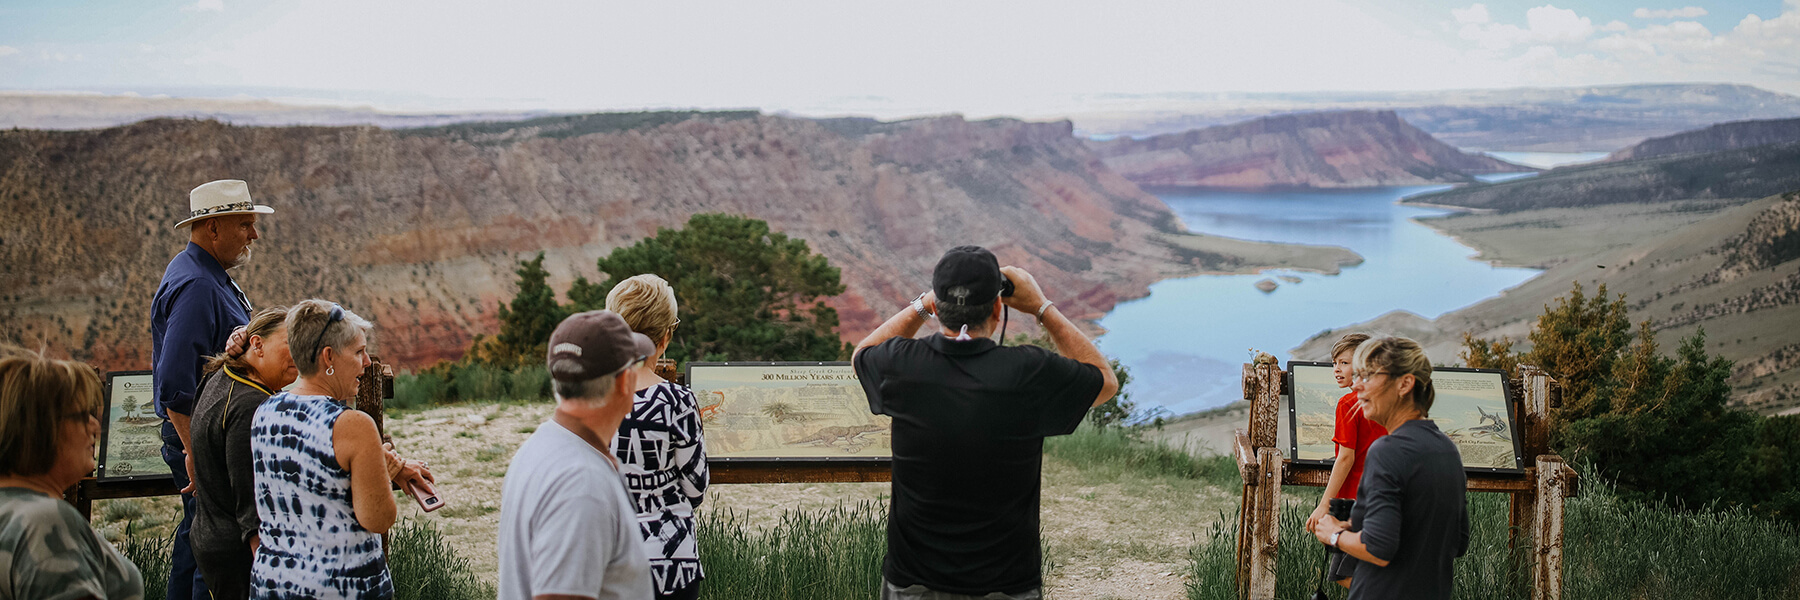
(320, 473)
(660, 448)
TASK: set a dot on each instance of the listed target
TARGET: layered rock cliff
(420, 229)
(1317, 150)
(1723, 136)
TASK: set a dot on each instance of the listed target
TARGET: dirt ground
(1107, 535)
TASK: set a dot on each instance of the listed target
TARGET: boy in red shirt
(1352, 434)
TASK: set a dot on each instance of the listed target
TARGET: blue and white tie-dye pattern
(312, 546)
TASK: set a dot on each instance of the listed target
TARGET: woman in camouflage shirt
(49, 422)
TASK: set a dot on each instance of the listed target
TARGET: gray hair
(311, 331)
(593, 391)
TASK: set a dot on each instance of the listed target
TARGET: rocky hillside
(1743, 173)
(1315, 150)
(420, 229)
(1724, 136)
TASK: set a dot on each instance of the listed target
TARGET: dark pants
(184, 578)
(226, 568)
(889, 591)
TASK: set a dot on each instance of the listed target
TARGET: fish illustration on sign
(1491, 425)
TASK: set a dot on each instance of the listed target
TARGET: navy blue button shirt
(196, 308)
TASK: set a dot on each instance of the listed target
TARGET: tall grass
(150, 552)
(824, 554)
(1613, 548)
(415, 390)
(424, 566)
(1110, 449)
(478, 382)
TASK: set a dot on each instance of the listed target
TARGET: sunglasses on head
(337, 314)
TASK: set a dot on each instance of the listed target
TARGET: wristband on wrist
(918, 306)
(1045, 307)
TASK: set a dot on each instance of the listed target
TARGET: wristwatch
(918, 306)
(1334, 538)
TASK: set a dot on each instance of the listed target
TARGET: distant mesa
(1342, 149)
(1724, 136)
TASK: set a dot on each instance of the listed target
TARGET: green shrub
(425, 567)
(821, 554)
(529, 383)
(478, 382)
(416, 390)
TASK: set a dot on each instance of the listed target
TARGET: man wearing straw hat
(197, 307)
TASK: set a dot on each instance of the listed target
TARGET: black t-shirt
(970, 420)
(1412, 511)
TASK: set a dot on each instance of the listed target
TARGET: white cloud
(8, 51)
(1615, 26)
(1673, 13)
(1544, 25)
(205, 6)
(1475, 13)
(1558, 25)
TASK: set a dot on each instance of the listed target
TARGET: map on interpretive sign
(131, 433)
(1471, 408)
(787, 410)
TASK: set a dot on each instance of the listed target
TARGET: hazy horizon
(1030, 60)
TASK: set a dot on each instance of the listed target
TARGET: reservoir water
(1187, 341)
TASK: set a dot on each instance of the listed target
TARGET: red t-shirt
(1354, 432)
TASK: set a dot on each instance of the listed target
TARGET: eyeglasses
(337, 314)
(1366, 376)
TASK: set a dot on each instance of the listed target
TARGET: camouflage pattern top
(48, 552)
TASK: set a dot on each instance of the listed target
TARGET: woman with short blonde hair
(49, 423)
(660, 446)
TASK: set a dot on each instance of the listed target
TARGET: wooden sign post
(1535, 519)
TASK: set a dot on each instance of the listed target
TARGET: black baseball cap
(599, 341)
(968, 275)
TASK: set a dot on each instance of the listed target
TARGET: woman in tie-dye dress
(321, 474)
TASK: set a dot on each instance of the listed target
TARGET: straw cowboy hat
(222, 197)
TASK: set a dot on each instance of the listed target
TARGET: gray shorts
(889, 591)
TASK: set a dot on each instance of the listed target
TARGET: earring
(329, 371)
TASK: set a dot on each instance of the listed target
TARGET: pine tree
(745, 292)
(525, 327)
(1577, 341)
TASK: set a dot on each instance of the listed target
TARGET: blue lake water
(1547, 160)
(1187, 341)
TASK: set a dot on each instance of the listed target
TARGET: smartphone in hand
(427, 495)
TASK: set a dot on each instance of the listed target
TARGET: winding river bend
(1187, 341)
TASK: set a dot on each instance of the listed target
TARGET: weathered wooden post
(1547, 528)
(1260, 463)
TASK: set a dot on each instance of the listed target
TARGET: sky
(977, 57)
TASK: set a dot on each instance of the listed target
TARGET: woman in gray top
(1411, 518)
(225, 523)
(49, 421)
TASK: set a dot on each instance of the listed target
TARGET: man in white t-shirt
(567, 529)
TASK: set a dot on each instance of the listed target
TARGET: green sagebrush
(424, 566)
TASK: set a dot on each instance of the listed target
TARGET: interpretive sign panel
(809, 410)
(1471, 407)
(130, 432)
